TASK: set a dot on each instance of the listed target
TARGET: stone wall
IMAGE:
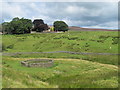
(37, 63)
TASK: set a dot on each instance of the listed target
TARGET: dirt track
(82, 53)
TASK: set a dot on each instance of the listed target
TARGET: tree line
(23, 26)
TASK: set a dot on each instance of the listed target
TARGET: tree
(42, 27)
(17, 26)
(39, 25)
(6, 27)
(60, 26)
(16, 19)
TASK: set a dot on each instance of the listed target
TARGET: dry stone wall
(37, 63)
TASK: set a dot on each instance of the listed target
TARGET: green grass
(69, 70)
(66, 73)
(84, 41)
(38, 62)
(105, 59)
(70, 41)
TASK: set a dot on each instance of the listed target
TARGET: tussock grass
(85, 41)
(66, 73)
(82, 41)
(69, 70)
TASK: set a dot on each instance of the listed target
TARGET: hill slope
(89, 42)
(72, 73)
(69, 70)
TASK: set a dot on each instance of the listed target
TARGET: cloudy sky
(82, 14)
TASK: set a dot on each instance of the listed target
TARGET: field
(69, 70)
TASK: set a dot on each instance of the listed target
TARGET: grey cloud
(75, 13)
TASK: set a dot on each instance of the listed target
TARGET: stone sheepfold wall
(37, 63)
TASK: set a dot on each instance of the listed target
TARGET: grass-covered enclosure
(69, 70)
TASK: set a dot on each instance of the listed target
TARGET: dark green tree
(17, 26)
(6, 27)
(39, 25)
(60, 26)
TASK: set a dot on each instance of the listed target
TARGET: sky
(82, 14)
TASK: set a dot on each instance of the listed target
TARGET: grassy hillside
(69, 70)
(84, 41)
(72, 73)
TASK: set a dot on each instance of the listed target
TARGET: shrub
(10, 46)
(3, 47)
(115, 40)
